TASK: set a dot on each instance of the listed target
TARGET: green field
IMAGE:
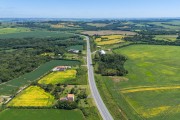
(170, 38)
(37, 34)
(152, 86)
(41, 114)
(13, 85)
(167, 26)
(13, 30)
(151, 90)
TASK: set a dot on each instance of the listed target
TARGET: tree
(66, 105)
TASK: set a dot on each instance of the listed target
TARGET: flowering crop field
(109, 39)
(58, 77)
(32, 97)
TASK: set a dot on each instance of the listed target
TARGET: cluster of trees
(58, 89)
(20, 56)
(149, 39)
(178, 36)
(111, 64)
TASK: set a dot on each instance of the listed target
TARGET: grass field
(41, 114)
(13, 85)
(37, 34)
(13, 30)
(109, 39)
(108, 32)
(33, 96)
(167, 26)
(58, 77)
(151, 89)
(170, 38)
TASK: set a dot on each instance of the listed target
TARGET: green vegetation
(38, 114)
(76, 47)
(36, 34)
(13, 30)
(13, 85)
(166, 37)
(110, 64)
(151, 80)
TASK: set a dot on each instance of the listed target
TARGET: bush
(68, 105)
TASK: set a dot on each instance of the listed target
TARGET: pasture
(108, 32)
(12, 86)
(109, 39)
(152, 87)
(58, 77)
(33, 96)
(41, 114)
(170, 38)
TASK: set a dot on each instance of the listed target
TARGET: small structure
(102, 52)
(61, 68)
(74, 51)
(70, 97)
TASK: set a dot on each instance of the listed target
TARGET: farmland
(108, 40)
(58, 77)
(32, 97)
(37, 34)
(13, 30)
(166, 37)
(151, 88)
(38, 114)
(12, 86)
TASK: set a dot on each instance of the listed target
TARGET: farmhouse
(61, 68)
(102, 52)
(70, 97)
(74, 51)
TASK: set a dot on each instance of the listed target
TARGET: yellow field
(109, 39)
(58, 77)
(153, 112)
(149, 89)
(32, 97)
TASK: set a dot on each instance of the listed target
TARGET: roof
(59, 67)
(102, 52)
(70, 95)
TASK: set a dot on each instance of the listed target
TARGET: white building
(102, 52)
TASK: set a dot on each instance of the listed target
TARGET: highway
(95, 93)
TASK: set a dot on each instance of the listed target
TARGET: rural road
(95, 93)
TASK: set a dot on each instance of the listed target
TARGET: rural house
(74, 51)
(70, 97)
(102, 52)
(61, 68)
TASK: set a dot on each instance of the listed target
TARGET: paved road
(99, 102)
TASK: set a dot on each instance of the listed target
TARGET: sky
(89, 8)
